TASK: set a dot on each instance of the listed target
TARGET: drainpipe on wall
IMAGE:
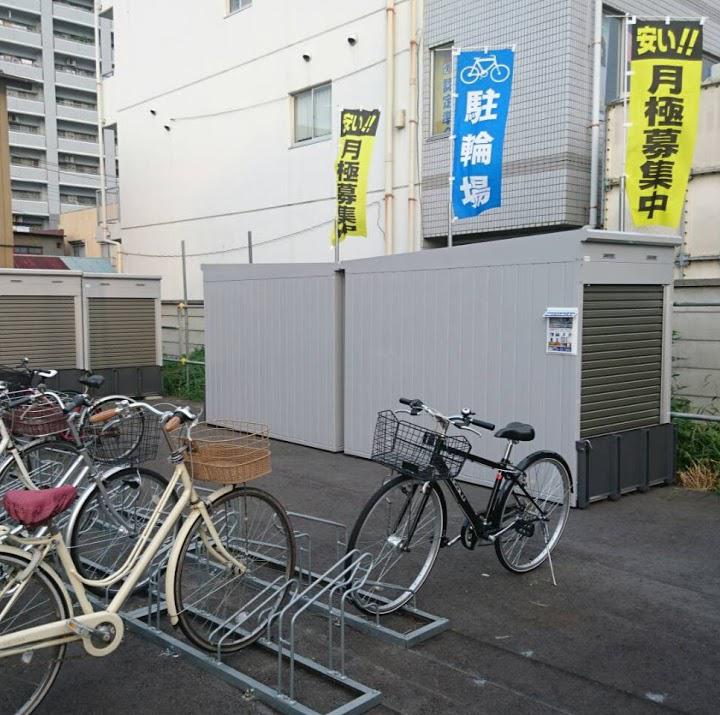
(595, 125)
(101, 129)
(412, 128)
(389, 122)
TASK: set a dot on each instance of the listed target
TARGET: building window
(235, 5)
(442, 64)
(708, 62)
(312, 113)
(29, 250)
(612, 60)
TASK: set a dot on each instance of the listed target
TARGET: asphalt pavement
(633, 625)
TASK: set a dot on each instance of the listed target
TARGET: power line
(328, 222)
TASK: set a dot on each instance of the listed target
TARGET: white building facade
(227, 116)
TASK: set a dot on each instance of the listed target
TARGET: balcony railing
(75, 38)
(79, 168)
(19, 60)
(77, 136)
(14, 25)
(23, 128)
(78, 105)
(74, 70)
(77, 200)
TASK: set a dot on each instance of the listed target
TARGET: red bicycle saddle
(36, 506)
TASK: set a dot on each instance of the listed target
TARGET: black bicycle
(403, 525)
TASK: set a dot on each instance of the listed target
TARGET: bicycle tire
(45, 460)
(40, 582)
(371, 599)
(469, 74)
(98, 552)
(499, 73)
(515, 505)
(190, 571)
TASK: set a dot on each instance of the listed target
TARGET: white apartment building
(53, 114)
(227, 115)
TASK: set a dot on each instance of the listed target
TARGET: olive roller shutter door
(39, 327)
(122, 332)
(622, 340)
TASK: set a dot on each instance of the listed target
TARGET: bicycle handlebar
(461, 421)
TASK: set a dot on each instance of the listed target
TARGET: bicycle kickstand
(552, 568)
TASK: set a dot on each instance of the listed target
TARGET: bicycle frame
(84, 626)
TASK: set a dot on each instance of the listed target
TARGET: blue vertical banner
(483, 82)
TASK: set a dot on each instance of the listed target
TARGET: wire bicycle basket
(229, 452)
(417, 451)
(42, 417)
(15, 378)
(132, 436)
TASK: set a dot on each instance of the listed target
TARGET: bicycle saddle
(517, 431)
(36, 506)
(92, 380)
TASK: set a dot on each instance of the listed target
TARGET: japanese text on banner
(358, 128)
(483, 81)
(666, 71)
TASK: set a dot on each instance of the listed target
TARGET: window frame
(295, 142)
(445, 46)
(228, 7)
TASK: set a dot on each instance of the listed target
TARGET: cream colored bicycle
(227, 570)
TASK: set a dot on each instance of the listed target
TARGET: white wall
(209, 180)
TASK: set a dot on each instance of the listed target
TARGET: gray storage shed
(273, 336)
(568, 331)
(467, 326)
(73, 321)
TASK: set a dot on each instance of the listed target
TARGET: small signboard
(561, 333)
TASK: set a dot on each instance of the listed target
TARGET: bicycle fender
(545, 453)
(47, 570)
(173, 558)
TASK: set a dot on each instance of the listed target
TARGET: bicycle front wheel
(109, 522)
(536, 513)
(46, 463)
(401, 560)
(26, 677)
(225, 602)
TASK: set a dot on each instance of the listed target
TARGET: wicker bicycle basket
(41, 418)
(228, 452)
(416, 451)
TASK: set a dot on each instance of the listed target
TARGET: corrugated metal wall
(443, 327)
(621, 357)
(274, 349)
(122, 332)
(41, 327)
(696, 347)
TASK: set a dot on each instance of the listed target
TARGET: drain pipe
(412, 128)
(389, 121)
(101, 126)
(595, 125)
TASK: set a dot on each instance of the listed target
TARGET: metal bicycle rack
(285, 604)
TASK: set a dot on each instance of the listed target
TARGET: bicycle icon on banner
(483, 67)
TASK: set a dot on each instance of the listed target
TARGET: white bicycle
(227, 570)
(483, 67)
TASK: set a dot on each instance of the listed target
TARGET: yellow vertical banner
(358, 128)
(665, 76)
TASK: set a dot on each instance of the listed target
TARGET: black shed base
(611, 465)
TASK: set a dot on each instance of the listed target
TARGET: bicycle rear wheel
(26, 677)
(46, 462)
(99, 541)
(400, 564)
(218, 605)
(537, 522)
